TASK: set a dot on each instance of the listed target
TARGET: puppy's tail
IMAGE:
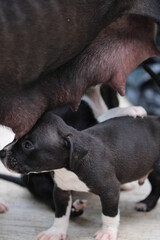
(13, 179)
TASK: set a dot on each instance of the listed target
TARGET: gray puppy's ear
(76, 151)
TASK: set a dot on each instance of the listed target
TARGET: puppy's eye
(27, 145)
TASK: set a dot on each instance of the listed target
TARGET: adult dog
(52, 51)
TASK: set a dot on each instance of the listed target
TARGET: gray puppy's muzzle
(6, 157)
(8, 160)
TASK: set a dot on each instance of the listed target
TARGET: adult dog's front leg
(63, 203)
(110, 214)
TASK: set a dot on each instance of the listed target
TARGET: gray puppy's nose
(2, 154)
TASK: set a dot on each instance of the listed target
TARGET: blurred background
(141, 88)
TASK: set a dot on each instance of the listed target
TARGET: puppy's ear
(76, 151)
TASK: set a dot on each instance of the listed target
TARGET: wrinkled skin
(52, 51)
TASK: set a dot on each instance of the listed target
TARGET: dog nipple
(75, 106)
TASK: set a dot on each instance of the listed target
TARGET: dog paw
(52, 234)
(3, 208)
(78, 207)
(106, 235)
(136, 112)
(141, 207)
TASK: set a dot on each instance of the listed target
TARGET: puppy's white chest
(67, 180)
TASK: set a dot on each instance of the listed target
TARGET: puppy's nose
(2, 154)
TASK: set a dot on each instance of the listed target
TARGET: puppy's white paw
(106, 235)
(136, 112)
(52, 234)
(3, 208)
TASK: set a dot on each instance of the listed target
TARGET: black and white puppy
(94, 108)
(96, 160)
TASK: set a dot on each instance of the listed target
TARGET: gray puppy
(96, 160)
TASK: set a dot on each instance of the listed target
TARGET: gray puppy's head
(51, 144)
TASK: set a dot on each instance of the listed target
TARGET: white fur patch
(109, 228)
(95, 101)
(59, 229)
(128, 186)
(67, 180)
(110, 223)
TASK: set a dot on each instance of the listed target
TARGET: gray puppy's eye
(27, 145)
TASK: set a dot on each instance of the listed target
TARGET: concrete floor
(26, 217)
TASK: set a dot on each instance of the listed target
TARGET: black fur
(41, 185)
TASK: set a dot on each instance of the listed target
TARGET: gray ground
(26, 217)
